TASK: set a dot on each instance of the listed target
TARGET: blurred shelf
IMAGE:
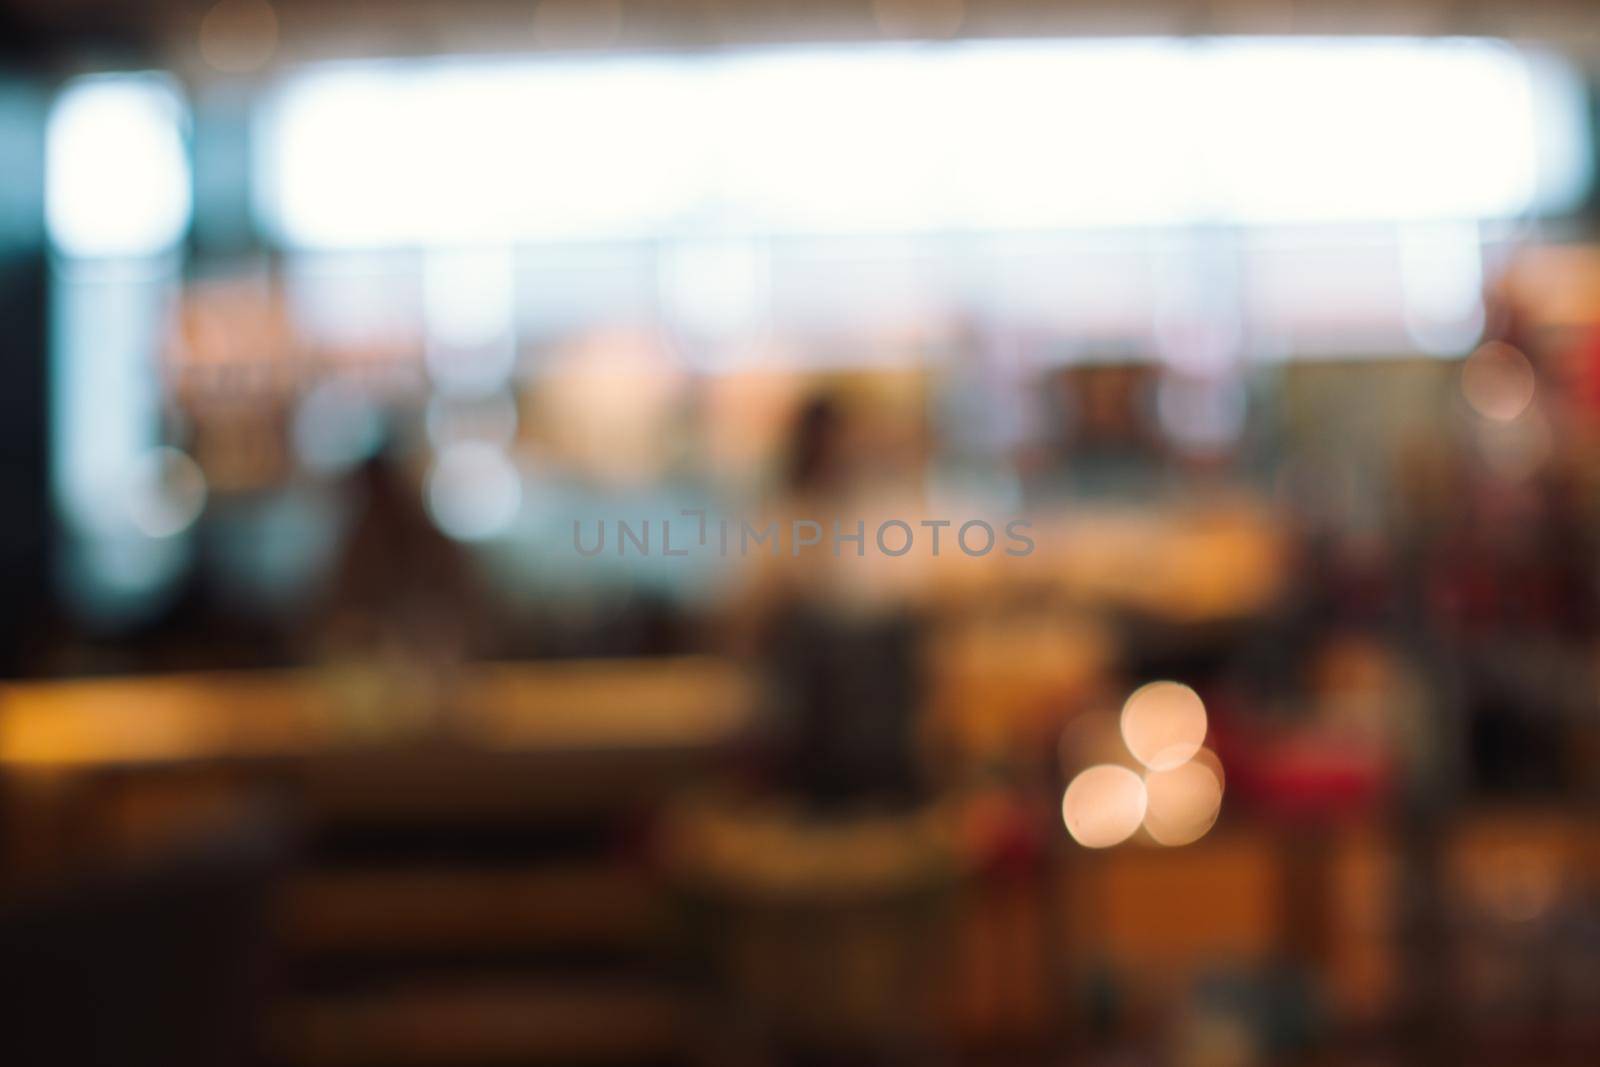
(482, 1022)
(410, 911)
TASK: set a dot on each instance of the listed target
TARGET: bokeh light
(166, 492)
(336, 426)
(474, 491)
(239, 36)
(1164, 724)
(1182, 803)
(1103, 806)
(1211, 761)
(491, 418)
(117, 171)
(1498, 381)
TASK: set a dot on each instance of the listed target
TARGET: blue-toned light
(116, 170)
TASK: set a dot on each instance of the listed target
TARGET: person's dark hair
(814, 442)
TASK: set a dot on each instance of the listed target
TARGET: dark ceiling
(74, 33)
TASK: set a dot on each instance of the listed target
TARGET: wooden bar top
(668, 703)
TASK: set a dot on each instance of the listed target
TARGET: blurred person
(402, 600)
(838, 641)
(833, 886)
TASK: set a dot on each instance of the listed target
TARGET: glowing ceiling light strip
(968, 136)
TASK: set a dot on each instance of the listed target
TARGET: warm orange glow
(1092, 737)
